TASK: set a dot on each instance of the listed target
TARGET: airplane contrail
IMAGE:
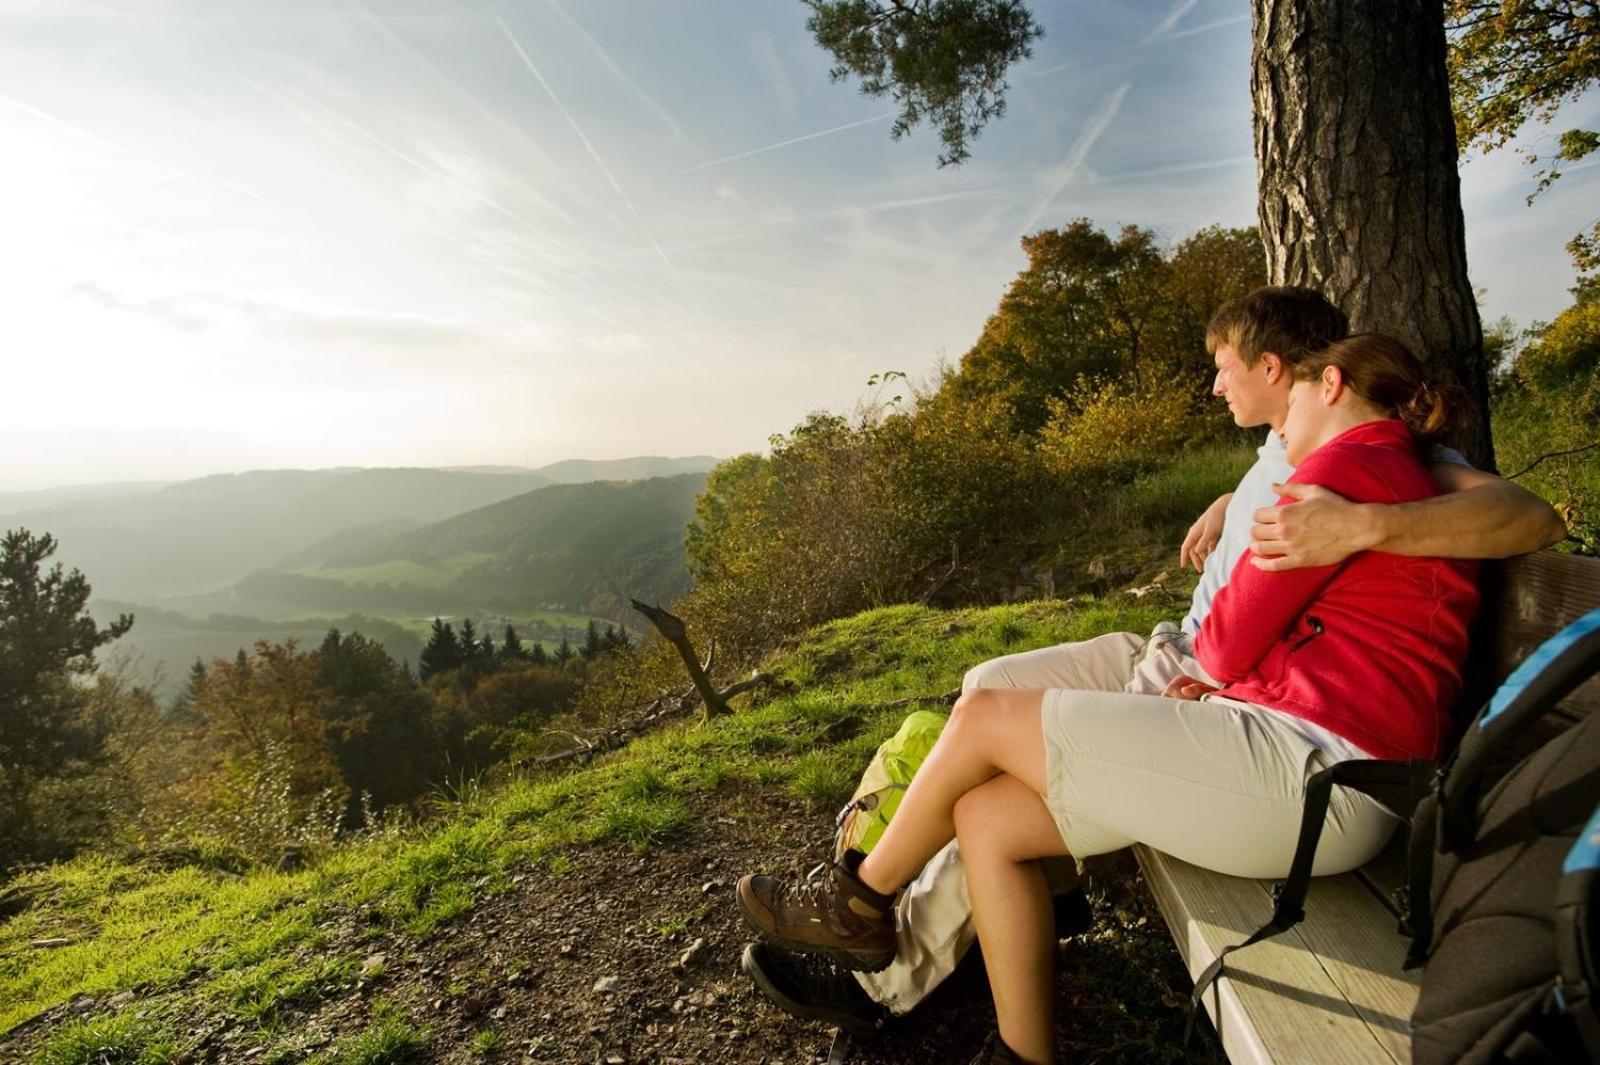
(1180, 9)
(172, 172)
(785, 144)
(1178, 168)
(1208, 27)
(1097, 125)
(610, 64)
(599, 162)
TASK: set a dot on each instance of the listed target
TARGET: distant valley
(216, 563)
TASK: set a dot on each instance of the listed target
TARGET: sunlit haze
(303, 234)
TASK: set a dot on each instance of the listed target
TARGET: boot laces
(815, 894)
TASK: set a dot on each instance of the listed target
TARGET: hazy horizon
(381, 233)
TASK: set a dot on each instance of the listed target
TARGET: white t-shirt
(1254, 491)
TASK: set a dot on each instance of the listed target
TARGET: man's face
(1256, 395)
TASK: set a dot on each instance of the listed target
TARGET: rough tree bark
(1359, 192)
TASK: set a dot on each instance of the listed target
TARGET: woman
(1307, 667)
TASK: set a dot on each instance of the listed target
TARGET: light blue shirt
(1254, 491)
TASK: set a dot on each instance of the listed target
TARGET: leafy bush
(1116, 431)
(1545, 418)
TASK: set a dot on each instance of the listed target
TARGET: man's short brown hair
(1287, 320)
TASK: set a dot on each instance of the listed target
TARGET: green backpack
(861, 823)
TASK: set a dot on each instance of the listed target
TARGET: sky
(246, 234)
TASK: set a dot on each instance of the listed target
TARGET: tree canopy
(943, 60)
(1515, 61)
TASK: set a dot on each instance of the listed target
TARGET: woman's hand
(1204, 534)
(1184, 686)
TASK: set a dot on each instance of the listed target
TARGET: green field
(398, 571)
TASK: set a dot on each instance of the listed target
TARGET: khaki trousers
(1217, 783)
(934, 912)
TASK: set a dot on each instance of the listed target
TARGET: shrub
(1115, 431)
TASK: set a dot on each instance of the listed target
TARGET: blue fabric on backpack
(1585, 853)
(1535, 663)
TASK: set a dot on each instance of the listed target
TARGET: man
(1254, 341)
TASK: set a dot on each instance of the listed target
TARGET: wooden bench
(1331, 989)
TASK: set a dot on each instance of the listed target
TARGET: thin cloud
(163, 310)
(1165, 26)
(440, 176)
(767, 58)
(432, 70)
(599, 162)
(117, 149)
(785, 144)
(1098, 123)
(610, 64)
(1208, 27)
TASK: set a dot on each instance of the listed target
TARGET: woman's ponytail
(1427, 412)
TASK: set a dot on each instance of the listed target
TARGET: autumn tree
(1518, 61)
(272, 704)
(1089, 309)
(1359, 194)
(47, 643)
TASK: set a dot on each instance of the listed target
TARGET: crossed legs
(983, 782)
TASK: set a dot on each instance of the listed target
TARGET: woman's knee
(1005, 820)
(979, 817)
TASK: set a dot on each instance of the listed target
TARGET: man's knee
(970, 708)
(990, 674)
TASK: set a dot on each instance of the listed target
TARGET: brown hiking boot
(836, 915)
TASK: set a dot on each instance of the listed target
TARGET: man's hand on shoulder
(1321, 528)
(1204, 534)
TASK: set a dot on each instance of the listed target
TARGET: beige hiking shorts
(1217, 783)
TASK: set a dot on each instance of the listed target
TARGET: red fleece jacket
(1370, 649)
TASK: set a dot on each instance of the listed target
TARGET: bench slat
(1357, 1013)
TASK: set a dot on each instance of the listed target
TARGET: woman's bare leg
(991, 731)
(1003, 827)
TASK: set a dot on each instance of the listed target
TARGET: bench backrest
(1526, 600)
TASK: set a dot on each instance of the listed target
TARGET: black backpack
(1502, 877)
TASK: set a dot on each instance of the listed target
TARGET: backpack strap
(1399, 786)
(1544, 678)
(1416, 918)
(1577, 915)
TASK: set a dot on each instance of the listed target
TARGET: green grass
(390, 1039)
(244, 941)
(257, 991)
(401, 571)
(1130, 533)
(120, 1039)
(486, 1041)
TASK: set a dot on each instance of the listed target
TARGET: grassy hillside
(489, 934)
(586, 547)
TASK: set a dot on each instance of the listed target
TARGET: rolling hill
(582, 547)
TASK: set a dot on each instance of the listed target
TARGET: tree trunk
(1359, 193)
